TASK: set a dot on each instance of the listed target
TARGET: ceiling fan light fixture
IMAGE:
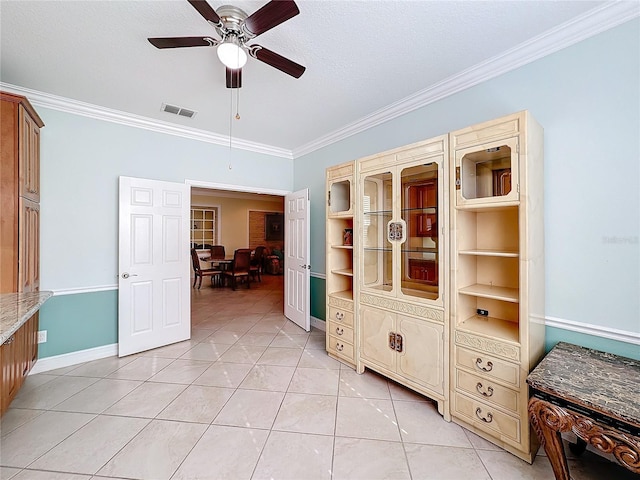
(231, 54)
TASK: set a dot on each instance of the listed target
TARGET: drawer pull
(339, 330)
(488, 368)
(339, 316)
(339, 347)
(487, 419)
(488, 393)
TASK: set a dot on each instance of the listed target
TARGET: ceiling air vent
(183, 112)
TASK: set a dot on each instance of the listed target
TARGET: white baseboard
(319, 324)
(74, 358)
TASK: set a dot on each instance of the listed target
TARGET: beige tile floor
(250, 396)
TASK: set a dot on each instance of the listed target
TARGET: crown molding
(68, 105)
(591, 23)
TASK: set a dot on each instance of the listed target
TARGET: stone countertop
(17, 308)
(600, 381)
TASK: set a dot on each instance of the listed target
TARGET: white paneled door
(154, 306)
(296, 262)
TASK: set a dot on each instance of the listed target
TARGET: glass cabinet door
(487, 173)
(377, 210)
(420, 256)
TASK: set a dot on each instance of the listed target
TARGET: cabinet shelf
(487, 291)
(373, 249)
(343, 247)
(383, 213)
(347, 272)
(420, 250)
(343, 295)
(491, 327)
(489, 253)
(433, 209)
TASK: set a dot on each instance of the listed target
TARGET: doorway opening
(238, 217)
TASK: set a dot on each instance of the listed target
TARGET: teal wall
(587, 98)
(79, 322)
(318, 298)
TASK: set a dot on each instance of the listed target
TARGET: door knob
(126, 275)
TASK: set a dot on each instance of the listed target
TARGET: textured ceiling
(361, 56)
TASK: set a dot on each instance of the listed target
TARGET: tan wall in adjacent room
(235, 218)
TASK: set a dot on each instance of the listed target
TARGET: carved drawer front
(488, 366)
(487, 418)
(340, 348)
(341, 331)
(341, 316)
(487, 390)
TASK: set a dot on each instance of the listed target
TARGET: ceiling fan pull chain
(230, 123)
(237, 104)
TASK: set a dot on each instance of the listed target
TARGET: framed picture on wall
(274, 226)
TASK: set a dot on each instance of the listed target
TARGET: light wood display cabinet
(401, 261)
(497, 281)
(340, 334)
(442, 289)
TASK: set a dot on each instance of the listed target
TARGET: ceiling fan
(236, 29)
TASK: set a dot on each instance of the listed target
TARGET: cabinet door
(29, 246)
(420, 210)
(422, 357)
(376, 325)
(29, 156)
(487, 173)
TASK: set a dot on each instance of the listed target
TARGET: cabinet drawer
(341, 331)
(488, 366)
(341, 316)
(339, 347)
(487, 391)
(487, 418)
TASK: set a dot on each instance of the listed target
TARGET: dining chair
(240, 267)
(217, 251)
(257, 262)
(200, 272)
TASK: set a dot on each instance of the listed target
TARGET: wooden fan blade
(176, 42)
(277, 61)
(270, 15)
(234, 78)
(206, 11)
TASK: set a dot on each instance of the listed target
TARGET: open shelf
(491, 327)
(343, 295)
(343, 247)
(488, 291)
(348, 272)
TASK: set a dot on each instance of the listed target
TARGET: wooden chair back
(217, 251)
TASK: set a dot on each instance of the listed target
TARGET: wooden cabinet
(20, 193)
(497, 307)
(19, 231)
(340, 340)
(29, 154)
(404, 347)
(29, 254)
(18, 354)
(402, 315)
(443, 287)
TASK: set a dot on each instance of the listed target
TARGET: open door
(296, 261)
(154, 301)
